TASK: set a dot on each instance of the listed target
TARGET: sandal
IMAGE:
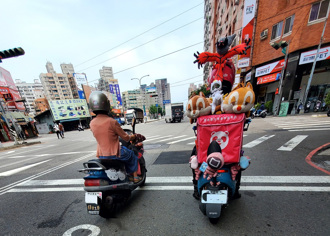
(137, 179)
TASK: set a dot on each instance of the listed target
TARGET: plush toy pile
(223, 99)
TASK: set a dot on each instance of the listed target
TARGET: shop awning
(269, 78)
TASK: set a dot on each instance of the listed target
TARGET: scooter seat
(110, 163)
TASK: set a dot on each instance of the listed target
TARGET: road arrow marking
(14, 171)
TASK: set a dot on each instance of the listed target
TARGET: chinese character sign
(117, 92)
(69, 109)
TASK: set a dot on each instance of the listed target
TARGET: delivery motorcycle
(107, 185)
(217, 192)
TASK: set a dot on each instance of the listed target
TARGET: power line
(185, 83)
(158, 58)
(138, 35)
(187, 79)
(153, 59)
(142, 44)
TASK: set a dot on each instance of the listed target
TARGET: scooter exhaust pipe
(109, 200)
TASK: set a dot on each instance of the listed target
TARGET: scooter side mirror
(133, 123)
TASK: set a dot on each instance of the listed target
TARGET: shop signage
(248, 77)
(248, 22)
(80, 79)
(270, 68)
(309, 57)
(245, 62)
(269, 78)
(69, 109)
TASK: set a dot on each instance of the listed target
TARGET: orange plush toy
(197, 106)
(240, 100)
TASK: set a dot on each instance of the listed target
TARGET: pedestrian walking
(57, 130)
(61, 129)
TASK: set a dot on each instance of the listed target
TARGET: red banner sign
(269, 78)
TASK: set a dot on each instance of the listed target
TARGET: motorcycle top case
(226, 129)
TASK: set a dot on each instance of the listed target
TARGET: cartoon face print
(222, 137)
(112, 174)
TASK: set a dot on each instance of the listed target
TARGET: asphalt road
(282, 194)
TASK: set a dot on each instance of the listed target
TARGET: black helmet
(99, 103)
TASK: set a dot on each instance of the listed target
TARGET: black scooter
(107, 185)
(308, 106)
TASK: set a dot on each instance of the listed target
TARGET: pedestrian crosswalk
(301, 124)
(288, 144)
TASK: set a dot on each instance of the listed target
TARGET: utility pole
(314, 63)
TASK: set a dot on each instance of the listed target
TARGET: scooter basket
(226, 129)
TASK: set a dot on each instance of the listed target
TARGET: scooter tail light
(222, 171)
(95, 182)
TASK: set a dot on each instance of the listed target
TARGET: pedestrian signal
(14, 52)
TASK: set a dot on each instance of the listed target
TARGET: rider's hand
(139, 138)
(210, 173)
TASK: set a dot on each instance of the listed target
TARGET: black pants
(59, 134)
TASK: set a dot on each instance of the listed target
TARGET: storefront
(268, 77)
(320, 83)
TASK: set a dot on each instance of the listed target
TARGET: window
(277, 30)
(319, 10)
(288, 25)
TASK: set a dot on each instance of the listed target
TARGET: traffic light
(282, 44)
(14, 52)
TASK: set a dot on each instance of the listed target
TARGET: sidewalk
(31, 141)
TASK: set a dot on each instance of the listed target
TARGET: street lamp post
(143, 104)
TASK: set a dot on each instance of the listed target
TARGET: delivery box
(226, 129)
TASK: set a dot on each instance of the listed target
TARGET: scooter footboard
(224, 177)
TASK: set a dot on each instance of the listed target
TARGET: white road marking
(291, 144)
(193, 143)
(170, 138)
(6, 188)
(156, 138)
(188, 179)
(93, 228)
(10, 152)
(295, 130)
(28, 150)
(182, 140)
(181, 188)
(51, 154)
(301, 123)
(304, 126)
(257, 141)
(14, 171)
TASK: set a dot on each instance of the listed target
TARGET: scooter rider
(261, 108)
(107, 131)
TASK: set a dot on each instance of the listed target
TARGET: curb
(19, 145)
(309, 161)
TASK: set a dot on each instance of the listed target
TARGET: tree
(203, 89)
(154, 111)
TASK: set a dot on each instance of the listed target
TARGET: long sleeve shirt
(106, 131)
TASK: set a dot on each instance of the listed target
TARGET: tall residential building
(221, 18)
(68, 70)
(29, 92)
(56, 86)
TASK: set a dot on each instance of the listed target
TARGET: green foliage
(203, 89)
(153, 110)
(269, 106)
(257, 106)
(327, 99)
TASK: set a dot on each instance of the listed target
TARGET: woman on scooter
(107, 131)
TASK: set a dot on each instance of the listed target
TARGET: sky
(121, 34)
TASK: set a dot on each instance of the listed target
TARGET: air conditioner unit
(264, 34)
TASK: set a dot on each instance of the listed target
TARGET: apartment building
(221, 18)
(56, 86)
(29, 92)
(299, 25)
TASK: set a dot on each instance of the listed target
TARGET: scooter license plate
(92, 201)
(214, 197)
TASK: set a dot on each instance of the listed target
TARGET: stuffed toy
(197, 106)
(240, 100)
(214, 162)
(217, 96)
(224, 69)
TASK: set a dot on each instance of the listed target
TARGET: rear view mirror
(133, 123)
